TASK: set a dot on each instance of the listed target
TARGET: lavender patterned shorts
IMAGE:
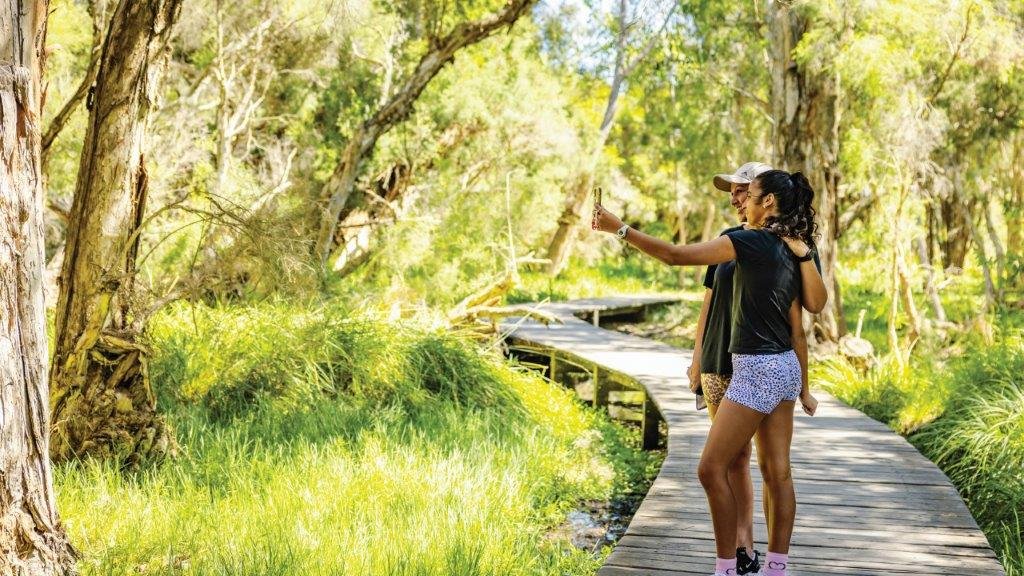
(762, 381)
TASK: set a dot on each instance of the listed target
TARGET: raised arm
(813, 294)
(713, 252)
(799, 340)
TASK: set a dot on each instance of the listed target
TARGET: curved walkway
(868, 502)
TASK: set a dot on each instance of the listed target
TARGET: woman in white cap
(768, 375)
(711, 369)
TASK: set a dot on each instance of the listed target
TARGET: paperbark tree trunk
(929, 281)
(1015, 205)
(338, 193)
(32, 540)
(807, 108)
(997, 248)
(914, 321)
(568, 222)
(991, 298)
(102, 402)
(1014, 212)
(956, 232)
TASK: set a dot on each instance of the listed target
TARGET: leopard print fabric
(714, 386)
(763, 381)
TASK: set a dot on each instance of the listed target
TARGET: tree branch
(99, 19)
(955, 57)
(339, 187)
(856, 210)
(650, 42)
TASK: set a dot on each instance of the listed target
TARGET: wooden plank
(848, 515)
(868, 502)
(838, 563)
(700, 543)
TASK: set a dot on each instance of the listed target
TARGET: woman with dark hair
(711, 369)
(768, 377)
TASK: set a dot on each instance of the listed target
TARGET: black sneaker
(747, 565)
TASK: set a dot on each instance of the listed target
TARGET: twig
(956, 54)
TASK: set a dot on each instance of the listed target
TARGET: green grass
(318, 442)
(636, 274)
(963, 408)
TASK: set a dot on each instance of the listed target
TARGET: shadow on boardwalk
(868, 502)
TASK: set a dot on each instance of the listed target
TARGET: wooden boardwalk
(868, 502)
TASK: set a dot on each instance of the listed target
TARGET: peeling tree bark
(997, 248)
(914, 321)
(929, 281)
(32, 540)
(337, 194)
(956, 232)
(986, 270)
(807, 108)
(1014, 205)
(102, 402)
(1014, 210)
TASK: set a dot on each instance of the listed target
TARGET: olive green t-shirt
(714, 354)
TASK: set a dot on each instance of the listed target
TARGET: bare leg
(743, 492)
(730, 433)
(774, 436)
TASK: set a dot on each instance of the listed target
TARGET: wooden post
(650, 423)
(600, 388)
(552, 366)
(596, 318)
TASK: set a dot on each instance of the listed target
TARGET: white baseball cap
(744, 175)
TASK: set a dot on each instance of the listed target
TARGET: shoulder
(752, 235)
(733, 229)
(753, 245)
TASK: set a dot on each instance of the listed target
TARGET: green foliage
(966, 414)
(237, 360)
(979, 441)
(368, 449)
(290, 418)
(636, 275)
(490, 148)
(68, 42)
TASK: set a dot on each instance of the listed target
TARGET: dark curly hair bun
(795, 198)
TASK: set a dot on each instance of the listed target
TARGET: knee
(710, 473)
(776, 473)
(741, 465)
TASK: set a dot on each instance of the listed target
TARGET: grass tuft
(966, 415)
(322, 442)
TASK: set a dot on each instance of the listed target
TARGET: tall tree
(32, 540)
(807, 108)
(337, 195)
(700, 106)
(102, 401)
(627, 20)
